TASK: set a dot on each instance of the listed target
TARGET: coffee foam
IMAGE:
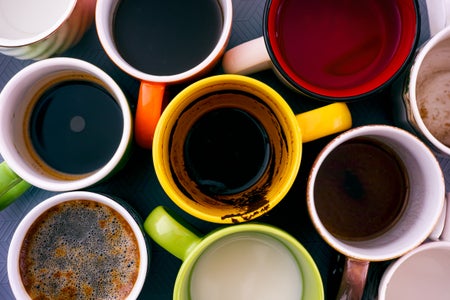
(79, 249)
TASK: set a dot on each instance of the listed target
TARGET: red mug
(331, 50)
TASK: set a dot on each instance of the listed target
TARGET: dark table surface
(137, 182)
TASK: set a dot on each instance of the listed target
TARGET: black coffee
(361, 190)
(79, 249)
(76, 126)
(226, 151)
(166, 37)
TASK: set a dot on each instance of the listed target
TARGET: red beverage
(341, 48)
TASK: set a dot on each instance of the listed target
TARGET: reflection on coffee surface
(75, 127)
(246, 266)
(166, 37)
(361, 189)
(79, 249)
(226, 151)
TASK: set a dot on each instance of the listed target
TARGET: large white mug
(38, 29)
(88, 127)
(347, 192)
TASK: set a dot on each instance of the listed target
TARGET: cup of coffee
(421, 273)
(162, 43)
(374, 193)
(39, 29)
(245, 261)
(64, 125)
(422, 99)
(78, 244)
(228, 147)
(330, 50)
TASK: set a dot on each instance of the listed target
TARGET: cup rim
(160, 146)
(21, 230)
(103, 18)
(422, 53)
(272, 231)
(393, 267)
(14, 160)
(348, 249)
(21, 42)
(350, 95)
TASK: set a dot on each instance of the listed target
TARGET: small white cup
(121, 208)
(40, 29)
(426, 194)
(423, 273)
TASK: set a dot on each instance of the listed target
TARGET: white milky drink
(246, 266)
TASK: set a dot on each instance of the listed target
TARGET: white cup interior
(23, 22)
(19, 235)
(424, 206)
(15, 102)
(423, 273)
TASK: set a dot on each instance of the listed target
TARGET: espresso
(166, 37)
(75, 127)
(226, 151)
(79, 249)
(361, 189)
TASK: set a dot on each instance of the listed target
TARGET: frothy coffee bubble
(79, 249)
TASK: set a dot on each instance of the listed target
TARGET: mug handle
(247, 58)
(11, 185)
(171, 232)
(148, 111)
(324, 121)
(353, 279)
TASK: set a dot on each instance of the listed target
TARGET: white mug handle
(445, 235)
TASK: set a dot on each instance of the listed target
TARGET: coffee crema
(361, 189)
(79, 249)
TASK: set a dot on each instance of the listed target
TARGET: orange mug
(161, 48)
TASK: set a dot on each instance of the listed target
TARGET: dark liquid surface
(166, 37)
(226, 151)
(360, 190)
(334, 44)
(76, 127)
(79, 250)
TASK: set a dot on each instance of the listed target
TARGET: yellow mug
(228, 148)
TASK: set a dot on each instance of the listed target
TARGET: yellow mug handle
(324, 121)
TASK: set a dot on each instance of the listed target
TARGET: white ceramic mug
(152, 89)
(21, 166)
(424, 202)
(115, 212)
(423, 273)
(422, 103)
(39, 29)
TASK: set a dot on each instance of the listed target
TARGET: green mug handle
(11, 185)
(171, 232)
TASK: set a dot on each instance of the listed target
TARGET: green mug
(243, 261)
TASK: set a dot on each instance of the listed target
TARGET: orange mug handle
(148, 111)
